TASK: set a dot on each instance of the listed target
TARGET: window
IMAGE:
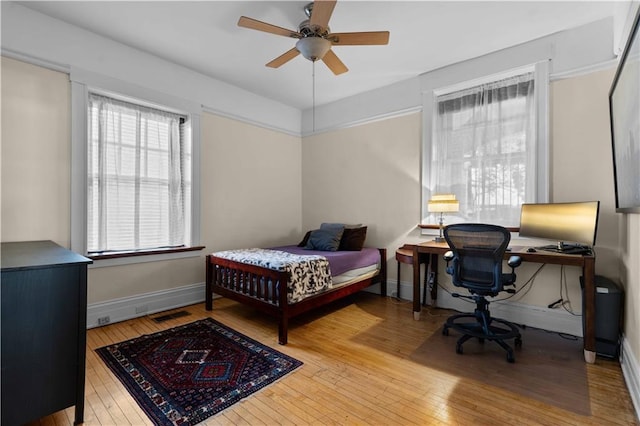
(138, 177)
(135, 174)
(484, 149)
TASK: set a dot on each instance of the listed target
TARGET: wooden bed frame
(237, 281)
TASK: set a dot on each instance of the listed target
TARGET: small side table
(405, 255)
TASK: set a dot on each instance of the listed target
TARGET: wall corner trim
(355, 123)
(44, 63)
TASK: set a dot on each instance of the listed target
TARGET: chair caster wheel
(459, 349)
(445, 331)
(510, 358)
(518, 342)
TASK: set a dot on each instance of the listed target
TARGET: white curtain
(484, 149)
(136, 177)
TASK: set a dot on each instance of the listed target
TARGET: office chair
(475, 263)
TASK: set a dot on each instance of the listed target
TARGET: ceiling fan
(314, 37)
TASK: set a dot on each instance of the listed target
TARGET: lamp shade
(443, 203)
(313, 48)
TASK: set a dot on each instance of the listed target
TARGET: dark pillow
(353, 239)
(344, 225)
(325, 239)
(305, 239)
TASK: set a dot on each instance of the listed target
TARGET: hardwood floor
(357, 370)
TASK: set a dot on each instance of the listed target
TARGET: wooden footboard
(266, 289)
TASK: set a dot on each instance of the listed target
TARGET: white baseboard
(557, 320)
(631, 373)
(117, 310)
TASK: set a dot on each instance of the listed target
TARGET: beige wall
(583, 169)
(582, 165)
(108, 283)
(36, 153)
(368, 174)
(246, 201)
(251, 191)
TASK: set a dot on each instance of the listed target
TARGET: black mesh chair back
(475, 263)
(478, 252)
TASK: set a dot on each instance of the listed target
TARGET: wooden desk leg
(416, 284)
(588, 272)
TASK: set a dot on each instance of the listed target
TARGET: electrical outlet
(104, 320)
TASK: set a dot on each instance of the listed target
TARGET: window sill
(131, 257)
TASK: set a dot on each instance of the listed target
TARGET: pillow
(325, 239)
(344, 225)
(353, 239)
(305, 239)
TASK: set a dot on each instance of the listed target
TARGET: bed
(257, 277)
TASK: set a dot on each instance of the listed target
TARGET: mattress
(345, 267)
(340, 262)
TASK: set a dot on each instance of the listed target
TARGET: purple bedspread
(340, 261)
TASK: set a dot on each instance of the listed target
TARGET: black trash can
(609, 303)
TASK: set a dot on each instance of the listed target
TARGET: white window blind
(483, 149)
(138, 177)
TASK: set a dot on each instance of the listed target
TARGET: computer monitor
(572, 226)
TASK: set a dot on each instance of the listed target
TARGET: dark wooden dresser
(43, 292)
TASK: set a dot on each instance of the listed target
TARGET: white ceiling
(425, 35)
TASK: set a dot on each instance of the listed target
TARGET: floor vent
(172, 315)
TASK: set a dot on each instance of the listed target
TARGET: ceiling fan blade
(284, 58)
(254, 24)
(360, 38)
(321, 12)
(334, 63)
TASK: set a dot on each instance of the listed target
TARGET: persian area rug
(548, 367)
(186, 374)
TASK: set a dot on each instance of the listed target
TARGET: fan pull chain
(313, 95)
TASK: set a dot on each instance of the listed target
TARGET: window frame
(541, 82)
(84, 82)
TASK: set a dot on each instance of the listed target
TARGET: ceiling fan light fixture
(315, 38)
(313, 48)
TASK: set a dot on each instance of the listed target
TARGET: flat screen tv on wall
(624, 109)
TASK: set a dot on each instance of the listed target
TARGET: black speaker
(609, 302)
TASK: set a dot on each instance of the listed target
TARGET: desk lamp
(442, 203)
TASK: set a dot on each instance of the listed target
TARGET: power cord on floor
(559, 334)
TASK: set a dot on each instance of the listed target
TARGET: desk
(429, 253)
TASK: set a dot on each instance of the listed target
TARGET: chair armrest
(514, 261)
(448, 256)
